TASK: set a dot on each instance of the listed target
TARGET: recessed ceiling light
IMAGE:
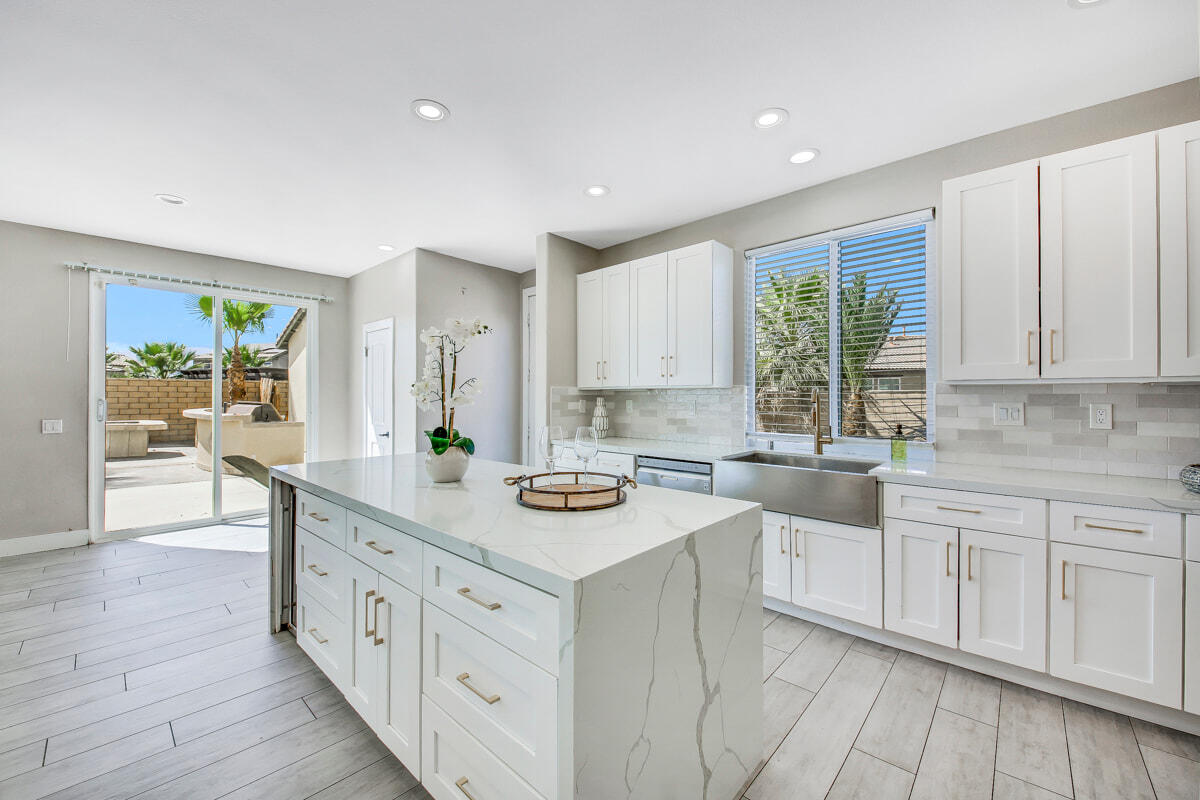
(1083, 3)
(770, 117)
(804, 156)
(387, 248)
(429, 110)
(598, 190)
(171, 199)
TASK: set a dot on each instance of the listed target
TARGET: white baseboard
(41, 542)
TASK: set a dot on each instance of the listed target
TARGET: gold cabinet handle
(796, 541)
(387, 551)
(970, 547)
(1064, 580)
(490, 699)
(604, 370)
(782, 546)
(948, 559)
(662, 366)
(314, 568)
(378, 602)
(367, 632)
(461, 783)
(597, 370)
(1052, 332)
(1111, 528)
(1029, 349)
(320, 639)
(466, 592)
(960, 510)
(318, 517)
(670, 369)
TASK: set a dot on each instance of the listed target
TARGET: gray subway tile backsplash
(704, 416)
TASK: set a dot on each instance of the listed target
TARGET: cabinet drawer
(454, 766)
(1193, 537)
(391, 552)
(1158, 533)
(321, 572)
(325, 519)
(325, 638)
(518, 616)
(506, 702)
(998, 513)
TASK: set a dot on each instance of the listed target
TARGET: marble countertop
(1155, 494)
(479, 518)
(687, 451)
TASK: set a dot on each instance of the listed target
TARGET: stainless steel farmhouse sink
(821, 487)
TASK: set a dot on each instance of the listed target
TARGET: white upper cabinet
(614, 359)
(1100, 261)
(1179, 244)
(648, 321)
(989, 292)
(589, 329)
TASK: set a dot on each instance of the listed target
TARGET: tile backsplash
(1155, 432)
(707, 416)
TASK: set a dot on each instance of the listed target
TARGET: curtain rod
(84, 266)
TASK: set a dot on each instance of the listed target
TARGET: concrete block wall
(166, 398)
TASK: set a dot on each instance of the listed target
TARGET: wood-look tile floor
(141, 669)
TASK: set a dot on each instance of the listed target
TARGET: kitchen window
(843, 314)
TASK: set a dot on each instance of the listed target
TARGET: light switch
(1008, 414)
(52, 426)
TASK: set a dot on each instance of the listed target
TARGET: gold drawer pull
(367, 632)
(466, 592)
(1064, 580)
(1029, 349)
(489, 699)
(387, 551)
(948, 559)
(320, 639)
(318, 517)
(960, 510)
(796, 543)
(461, 783)
(1111, 528)
(378, 601)
(317, 570)
(970, 547)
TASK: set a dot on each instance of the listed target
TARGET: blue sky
(137, 315)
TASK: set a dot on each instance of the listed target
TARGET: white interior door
(1002, 597)
(378, 363)
(777, 556)
(1179, 241)
(648, 321)
(989, 296)
(690, 316)
(920, 581)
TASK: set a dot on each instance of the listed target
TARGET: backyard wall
(166, 398)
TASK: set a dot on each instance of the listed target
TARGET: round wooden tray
(536, 491)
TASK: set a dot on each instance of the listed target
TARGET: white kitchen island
(504, 653)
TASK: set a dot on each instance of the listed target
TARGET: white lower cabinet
(1002, 598)
(1115, 621)
(920, 568)
(455, 766)
(837, 569)
(1191, 639)
(777, 556)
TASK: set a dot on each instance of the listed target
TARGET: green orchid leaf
(465, 444)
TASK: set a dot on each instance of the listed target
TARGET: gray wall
(559, 260)
(43, 479)
(903, 186)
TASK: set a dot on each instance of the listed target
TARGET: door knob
(385, 435)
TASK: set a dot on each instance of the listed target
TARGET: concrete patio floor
(165, 486)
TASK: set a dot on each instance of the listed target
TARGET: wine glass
(587, 444)
(550, 445)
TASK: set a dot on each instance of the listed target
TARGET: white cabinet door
(1179, 241)
(648, 321)
(1116, 620)
(777, 556)
(360, 683)
(1191, 640)
(589, 329)
(614, 365)
(398, 711)
(920, 580)
(689, 316)
(989, 292)
(838, 569)
(1100, 261)
(1002, 597)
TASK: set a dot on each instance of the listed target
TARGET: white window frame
(924, 216)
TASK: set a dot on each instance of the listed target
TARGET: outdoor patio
(165, 486)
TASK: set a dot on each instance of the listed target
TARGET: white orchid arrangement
(442, 348)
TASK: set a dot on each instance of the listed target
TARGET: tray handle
(514, 480)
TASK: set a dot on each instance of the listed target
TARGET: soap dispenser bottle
(899, 446)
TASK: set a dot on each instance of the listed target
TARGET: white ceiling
(286, 124)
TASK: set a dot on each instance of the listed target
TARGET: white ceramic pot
(450, 466)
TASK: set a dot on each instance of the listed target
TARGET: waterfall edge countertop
(479, 518)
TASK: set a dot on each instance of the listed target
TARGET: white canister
(600, 419)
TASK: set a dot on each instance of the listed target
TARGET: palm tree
(866, 320)
(239, 317)
(159, 360)
(251, 358)
(792, 351)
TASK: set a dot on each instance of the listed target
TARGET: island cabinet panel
(1115, 621)
(506, 702)
(515, 614)
(837, 569)
(920, 568)
(1191, 639)
(1002, 598)
(325, 519)
(385, 549)
(777, 555)
(455, 766)
(324, 637)
(321, 572)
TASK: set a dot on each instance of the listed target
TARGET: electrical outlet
(1008, 414)
(1100, 416)
(52, 426)
(628, 406)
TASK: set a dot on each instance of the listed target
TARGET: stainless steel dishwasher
(670, 473)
